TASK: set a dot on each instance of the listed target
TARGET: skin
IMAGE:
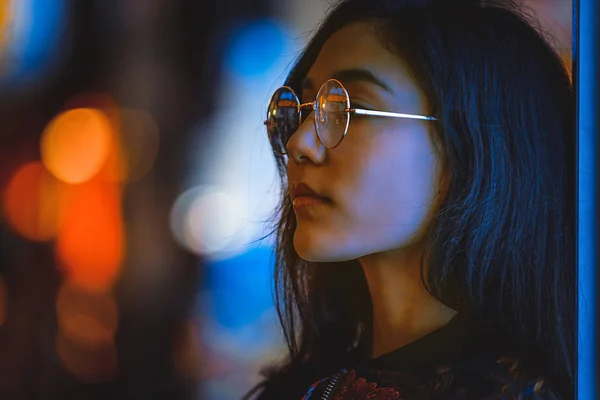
(383, 183)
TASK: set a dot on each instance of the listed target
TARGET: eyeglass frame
(349, 110)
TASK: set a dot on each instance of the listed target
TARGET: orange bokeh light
(76, 144)
(141, 139)
(5, 17)
(90, 245)
(89, 319)
(31, 202)
(115, 169)
(187, 355)
(91, 365)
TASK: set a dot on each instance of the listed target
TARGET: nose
(304, 145)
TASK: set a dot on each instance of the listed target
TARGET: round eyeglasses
(332, 115)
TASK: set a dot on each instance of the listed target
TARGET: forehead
(356, 46)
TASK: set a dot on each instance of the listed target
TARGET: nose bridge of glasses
(305, 109)
(310, 105)
(306, 128)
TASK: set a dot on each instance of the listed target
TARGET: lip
(301, 189)
(302, 202)
(304, 196)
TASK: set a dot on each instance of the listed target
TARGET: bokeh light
(89, 319)
(31, 202)
(187, 353)
(209, 221)
(5, 17)
(255, 48)
(241, 294)
(76, 144)
(90, 245)
(141, 138)
(31, 33)
(115, 168)
(88, 364)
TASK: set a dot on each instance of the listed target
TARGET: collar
(460, 339)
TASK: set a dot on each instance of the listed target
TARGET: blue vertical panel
(586, 67)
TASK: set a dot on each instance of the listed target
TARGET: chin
(315, 248)
(309, 252)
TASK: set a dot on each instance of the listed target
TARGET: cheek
(385, 189)
(393, 184)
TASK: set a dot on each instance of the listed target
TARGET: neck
(403, 310)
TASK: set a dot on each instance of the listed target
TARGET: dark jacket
(461, 361)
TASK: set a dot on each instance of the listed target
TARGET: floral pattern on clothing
(353, 388)
(481, 381)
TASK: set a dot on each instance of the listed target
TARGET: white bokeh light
(233, 154)
(210, 222)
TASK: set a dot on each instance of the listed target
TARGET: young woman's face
(381, 183)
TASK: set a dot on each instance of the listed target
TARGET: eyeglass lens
(282, 118)
(331, 115)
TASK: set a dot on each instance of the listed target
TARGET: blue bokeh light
(255, 47)
(240, 287)
(37, 27)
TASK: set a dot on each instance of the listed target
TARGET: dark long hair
(501, 246)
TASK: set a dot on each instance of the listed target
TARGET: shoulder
(477, 380)
(277, 388)
(502, 378)
(284, 383)
(481, 378)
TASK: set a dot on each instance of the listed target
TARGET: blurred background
(137, 189)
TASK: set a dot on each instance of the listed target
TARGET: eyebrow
(352, 75)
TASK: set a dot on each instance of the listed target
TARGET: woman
(425, 245)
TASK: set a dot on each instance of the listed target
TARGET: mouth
(304, 196)
(304, 202)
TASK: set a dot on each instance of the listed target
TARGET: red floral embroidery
(352, 388)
